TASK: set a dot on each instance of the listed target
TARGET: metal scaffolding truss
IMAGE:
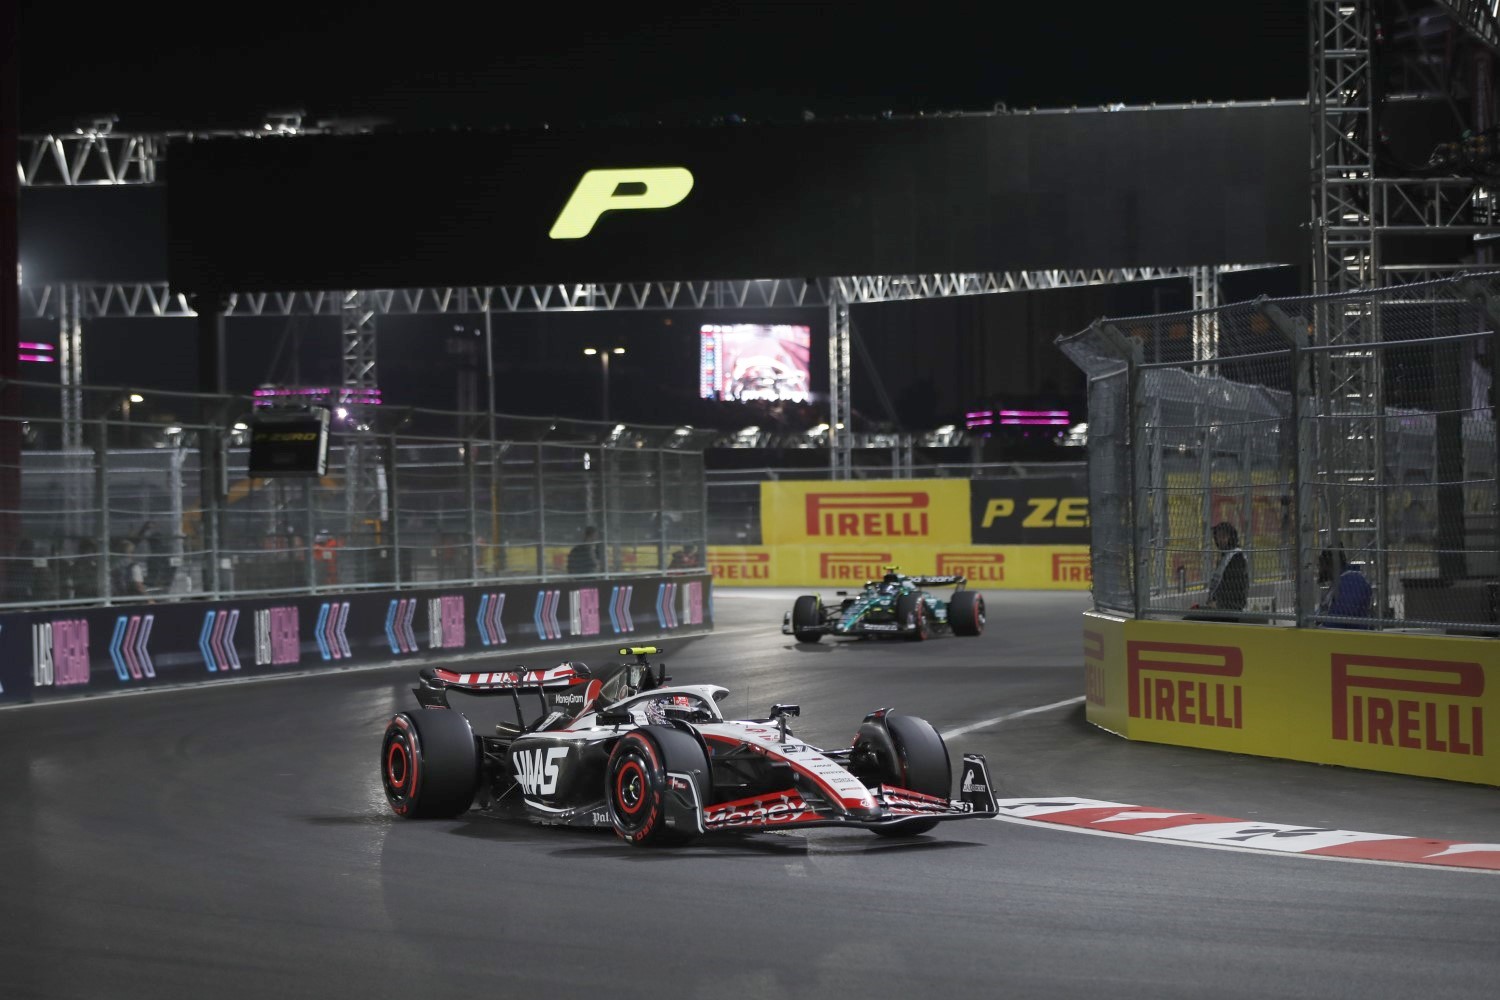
(1451, 204)
(902, 287)
(358, 321)
(119, 300)
(1343, 159)
(1352, 207)
(89, 158)
(95, 154)
(1477, 17)
(1347, 216)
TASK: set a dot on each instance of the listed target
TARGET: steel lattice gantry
(96, 155)
(358, 311)
(1353, 208)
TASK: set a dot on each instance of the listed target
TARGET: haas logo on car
(537, 770)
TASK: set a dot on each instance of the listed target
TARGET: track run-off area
(232, 840)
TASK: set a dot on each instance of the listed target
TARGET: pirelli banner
(1027, 534)
(1407, 704)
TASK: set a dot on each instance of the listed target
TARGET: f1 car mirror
(613, 717)
(779, 715)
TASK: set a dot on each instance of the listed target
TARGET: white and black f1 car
(895, 606)
(621, 747)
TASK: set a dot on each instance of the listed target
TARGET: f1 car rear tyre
(911, 755)
(429, 764)
(807, 619)
(911, 608)
(966, 612)
(637, 791)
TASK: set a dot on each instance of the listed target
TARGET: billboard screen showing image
(744, 361)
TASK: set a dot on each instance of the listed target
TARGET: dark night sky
(435, 63)
(423, 65)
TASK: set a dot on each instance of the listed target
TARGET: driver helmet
(659, 711)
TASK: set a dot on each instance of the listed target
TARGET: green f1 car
(895, 605)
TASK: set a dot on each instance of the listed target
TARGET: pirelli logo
(868, 515)
(1391, 701)
(852, 565)
(1185, 683)
(739, 565)
(1072, 567)
(1093, 667)
(974, 565)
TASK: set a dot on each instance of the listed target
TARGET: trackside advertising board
(1029, 534)
(1407, 704)
(61, 652)
(930, 194)
(998, 567)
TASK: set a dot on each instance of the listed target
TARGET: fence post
(395, 505)
(103, 578)
(604, 489)
(541, 516)
(309, 538)
(1130, 352)
(469, 479)
(1304, 534)
(661, 506)
(1491, 305)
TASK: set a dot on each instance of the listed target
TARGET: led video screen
(745, 361)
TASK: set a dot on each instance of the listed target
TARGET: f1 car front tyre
(638, 786)
(966, 613)
(807, 619)
(911, 608)
(910, 754)
(429, 764)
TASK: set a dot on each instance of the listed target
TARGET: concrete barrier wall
(1382, 701)
(72, 652)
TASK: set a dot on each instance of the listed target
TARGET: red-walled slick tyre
(429, 764)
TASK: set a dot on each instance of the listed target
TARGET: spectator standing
(1229, 585)
(151, 548)
(83, 571)
(326, 556)
(130, 572)
(1348, 593)
(585, 559)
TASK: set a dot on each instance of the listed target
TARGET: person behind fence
(584, 560)
(1347, 594)
(83, 572)
(326, 557)
(130, 572)
(152, 549)
(1230, 583)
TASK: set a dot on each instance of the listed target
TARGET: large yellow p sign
(601, 191)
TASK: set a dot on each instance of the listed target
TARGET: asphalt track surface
(233, 842)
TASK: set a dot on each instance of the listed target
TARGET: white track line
(961, 730)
